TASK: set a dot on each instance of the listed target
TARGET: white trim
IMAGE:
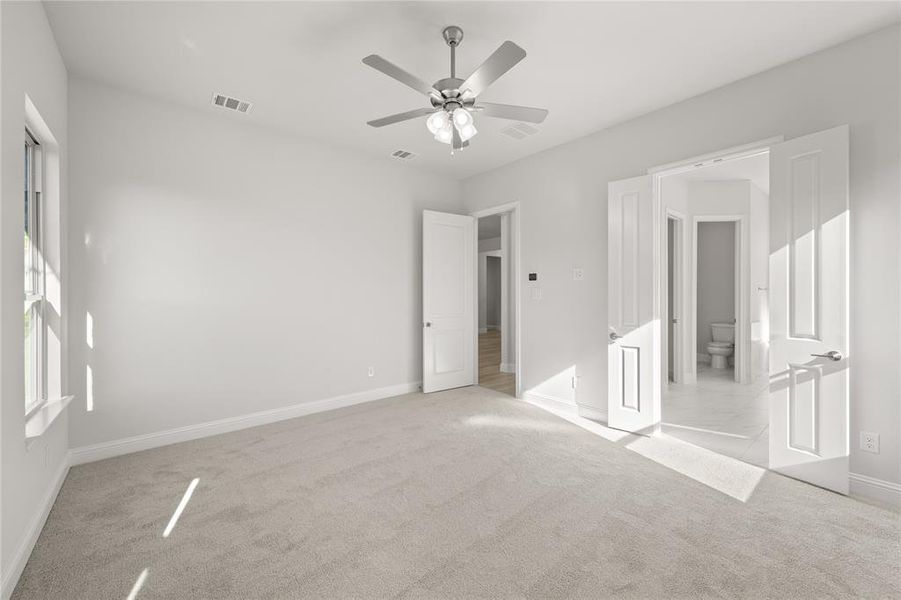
(552, 403)
(875, 489)
(515, 264)
(733, 153)
(32, 532)
(86, 454)
(40, 419)
(681, 373)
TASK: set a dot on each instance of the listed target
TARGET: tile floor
(719, 414)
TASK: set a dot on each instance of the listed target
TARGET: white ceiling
(590, 64)
(754, 168)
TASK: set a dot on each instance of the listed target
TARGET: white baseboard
(86, 454)
(875, 489)
(32, 532)
(551, 402)
(508, 368)
(590, 412)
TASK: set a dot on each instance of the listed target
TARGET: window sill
(41, 419)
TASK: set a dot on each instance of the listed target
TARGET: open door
(634, 336)
(809, 308)
(448, 301)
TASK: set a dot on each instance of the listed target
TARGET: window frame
(34, 263)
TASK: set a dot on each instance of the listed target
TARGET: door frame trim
(680, 373)
(514, 262)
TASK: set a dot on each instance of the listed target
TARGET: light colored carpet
(461, 494)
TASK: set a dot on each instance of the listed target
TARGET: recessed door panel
(804, 202)
(803, 410)
(630, 266)
(631, 396)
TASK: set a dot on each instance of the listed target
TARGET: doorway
(792, 325)
(495, 338)
(716, 396)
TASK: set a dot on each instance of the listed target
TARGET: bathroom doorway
(716, 393)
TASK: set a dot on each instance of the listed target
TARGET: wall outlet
(578, 274)
(372, 371)
(869, 442)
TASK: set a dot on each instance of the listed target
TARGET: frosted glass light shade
(446, 134)
(437, 121)
(462, 118)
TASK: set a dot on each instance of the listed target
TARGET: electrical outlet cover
(869, 442)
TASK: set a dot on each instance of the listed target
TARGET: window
(35, 325)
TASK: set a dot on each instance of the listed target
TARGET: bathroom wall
(716, 279)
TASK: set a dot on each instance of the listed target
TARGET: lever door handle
(614, 336)
(831, 355)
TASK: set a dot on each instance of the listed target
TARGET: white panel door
(448, 301)
(633, 351)
(809, 308)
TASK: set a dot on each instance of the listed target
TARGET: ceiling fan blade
(509, 111)
(404, 116)
(392, 70)
(458, 141)
(503, 59)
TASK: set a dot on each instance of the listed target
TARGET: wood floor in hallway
(490, 375)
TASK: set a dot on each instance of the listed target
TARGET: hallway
(490, 375)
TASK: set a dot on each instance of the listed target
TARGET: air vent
(519, 131)
(230, 103)
(403, 155)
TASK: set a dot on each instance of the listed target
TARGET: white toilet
(723, 344)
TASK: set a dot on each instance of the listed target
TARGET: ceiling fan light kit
(453, 100)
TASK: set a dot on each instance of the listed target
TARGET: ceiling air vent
(403, 155)
(519, 131)
(230, 103)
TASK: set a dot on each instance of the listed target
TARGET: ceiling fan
(453, 100)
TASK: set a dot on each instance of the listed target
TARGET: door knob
(427, 324)
(831, 355)
(614, 336)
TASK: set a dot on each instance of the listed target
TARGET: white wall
(30, 64)
(493, 291)
(562, 193)
(490, 244)
(193, 229)
(716, 279)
